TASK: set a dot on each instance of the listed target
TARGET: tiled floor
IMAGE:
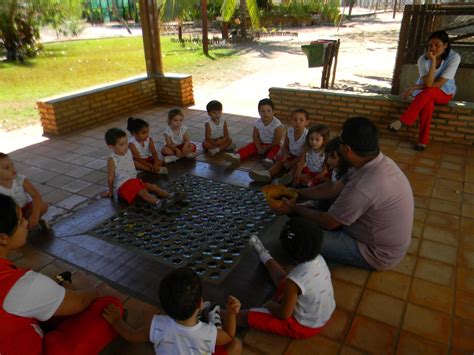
(425, 305)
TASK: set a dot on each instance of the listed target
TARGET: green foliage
(302, 9)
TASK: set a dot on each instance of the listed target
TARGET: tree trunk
(243, 18)
(205, 40)
(180, 30)
(225, 30)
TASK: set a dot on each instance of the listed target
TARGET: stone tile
(390, 283)
(97, 164)
(444, 220)
(350, 274)
(451, 174)
(468, 198)
(347, 350)
(43, 189)
(55, 196)
(466, 258)
(437, 251)
(307, 346)
(469, 187)
(96, 177)
(33, 259)
(265, 343)
(347, 295)
(60, 181)
(83, 280)
(79, 172)
(68, 157)
(465, 279)
(381, 307)
(427, 323)
(422, 189)
(410, 344)
(417, 229)
(57, 267)
(138, 311)
(452, 166)
(437, 204)
(372, 336)
(462, 335)
(432, 295)
(406, 265)
(467, 210)
(420, 214)
(338, 325)
(434, 271)
(53, 213)
(92, 191)
(62, 168)
(76, 186)
(41, 176)
(414, 246)
(105, 289)
(416, 178)
(422, 202)
(71, 202)
(82, 160)
(465, 304)
(452, 184)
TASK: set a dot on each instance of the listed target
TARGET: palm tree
(20, 21)
(246, 6)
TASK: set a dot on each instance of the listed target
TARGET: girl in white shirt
(142, 147)
(177, 143)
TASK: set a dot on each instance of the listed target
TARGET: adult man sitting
(370, 223)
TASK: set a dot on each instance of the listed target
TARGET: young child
(23, 192)
(304, 300)
(293, 148)
(311, 169)
(177, 143)
(142, 147)
(122, 175)
(38, 315)
(180, 331)
(336, 164)
(267, 134)
(217, 136)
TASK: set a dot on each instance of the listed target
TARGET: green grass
(69, 66)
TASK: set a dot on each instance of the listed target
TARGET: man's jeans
(339, 247)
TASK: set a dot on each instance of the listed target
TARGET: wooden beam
(149, 14)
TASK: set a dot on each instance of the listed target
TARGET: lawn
(67, 66)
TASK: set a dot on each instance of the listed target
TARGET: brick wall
(67, 113)
(452, 123)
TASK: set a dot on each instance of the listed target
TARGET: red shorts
(180, 147)
(309, 172)
(130, 189)
(26, 209)
(149, 160)
(220, 350)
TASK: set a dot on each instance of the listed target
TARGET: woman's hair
(9, 216)
(173, 113)
(302, 239)
(321, 129)
(443, 37)
(180, 293)
(332, 146)
(300, 110)
(135, 125)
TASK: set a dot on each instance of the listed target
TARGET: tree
(20, 21)
(246, 6)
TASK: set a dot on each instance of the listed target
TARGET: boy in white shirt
(217, 136)
(180, 331)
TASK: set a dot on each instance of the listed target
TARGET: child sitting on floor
(142, 147)
(304, 300)
(311, 169)
(217, 137)
(177, 143)
(267, 134)
(180, 331)
(23, 192)
(122, 175)
(288, 156)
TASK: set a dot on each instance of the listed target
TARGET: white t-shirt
(315, 160)
(143, 150)
(34, 295)
(267, 132)
(17, 192)
(217, 130)
(296, 147)
(316, 302)
(178, 138)
(169, 337)
(124, 168)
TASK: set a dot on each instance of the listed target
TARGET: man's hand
(111, 314)
(287, 208)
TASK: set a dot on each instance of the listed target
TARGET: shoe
(215, 316)
(161, 205)
(214, 151)
(170, 159)
(262, 176)
(191, 155)
(285, 180)
(44, 225)
(267, 163)
(204, 315)
(231, 157)
(420, 147)
(231, 148)
(257, 245)
(395, 126)
(163, 170)
(177, 196)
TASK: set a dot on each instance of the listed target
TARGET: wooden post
(402, 47)
(335, 62)
(205, 40)
(149, 14)
(394, 8)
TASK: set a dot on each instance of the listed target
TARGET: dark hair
(443, 37)
(321, 129)
(300, 110)
(302, 239)
(113, 134)
(361, 134)
(3, 155)
(333, 146)
(180, 293)
(264, 102)
(135, 125)
(213, 105)
(173, 113)
(9, 216)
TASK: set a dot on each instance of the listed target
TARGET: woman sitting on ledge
(435, 85)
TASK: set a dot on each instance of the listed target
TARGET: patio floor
(425, 305)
